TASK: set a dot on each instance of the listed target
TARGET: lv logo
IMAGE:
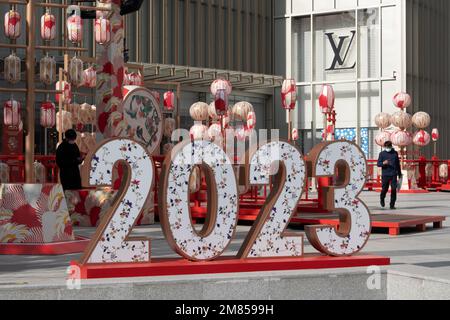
(339, 60)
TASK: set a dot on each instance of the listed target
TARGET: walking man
(389, 161)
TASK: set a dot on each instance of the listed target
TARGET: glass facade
(354, 45)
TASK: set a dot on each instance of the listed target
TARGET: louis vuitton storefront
(368, 50)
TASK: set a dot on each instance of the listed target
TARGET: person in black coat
(389, 161)
(68, 159)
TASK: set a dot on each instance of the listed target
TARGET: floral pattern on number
(112, 247)
(270, 243)
(346, 198)
(188, 243)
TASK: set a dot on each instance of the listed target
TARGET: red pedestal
(173, 267)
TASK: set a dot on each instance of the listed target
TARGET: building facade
(368, 50)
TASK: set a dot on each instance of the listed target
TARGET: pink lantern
(12, 24)
(90, 77)
(402, 100)
(251, 120)
(215, 132)
(75, 29)
(221, 84)
(327, 99)
(102, 30)
(169, 101)
(67, 92)
(401, 138)
(11, 112)
(133, 79)
(422, 138)
(289, 94)
(295, 134)
(48, 114)
(382, 138)
(48, 27)
(435, 135)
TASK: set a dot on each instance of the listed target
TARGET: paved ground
(421, 254)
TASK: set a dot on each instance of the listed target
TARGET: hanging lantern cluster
(48, 26)
(169, 101)
(289, 94)
(75, 29)
(12, 113)
(12, 24)
(90, 77)
(12, 68)
(102, 30)
(48, 114)
(76, 71)
(47, 70)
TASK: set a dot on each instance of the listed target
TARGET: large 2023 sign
(278, 164)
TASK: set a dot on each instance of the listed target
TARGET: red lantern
(102, 30)
(169, 100)
(75, 29)
(295, 135)
(289, 94)
(327, 99)
(12, 24)
(435, 135)
(11, 112)
(90, 77)
(48, 27)
(402, 100)
(48, 114)
(221, 101)
(67, 92)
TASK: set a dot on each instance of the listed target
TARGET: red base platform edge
(45, 249)
(174, 267)
(418, 191)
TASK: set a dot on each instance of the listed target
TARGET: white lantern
(66, 121)
(47, 68)
(12, 68)
(76, 71)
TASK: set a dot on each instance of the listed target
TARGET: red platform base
(393, 222)
(418, 191)
(173, 267)
(45, 249)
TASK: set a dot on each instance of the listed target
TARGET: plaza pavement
(420, 269)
